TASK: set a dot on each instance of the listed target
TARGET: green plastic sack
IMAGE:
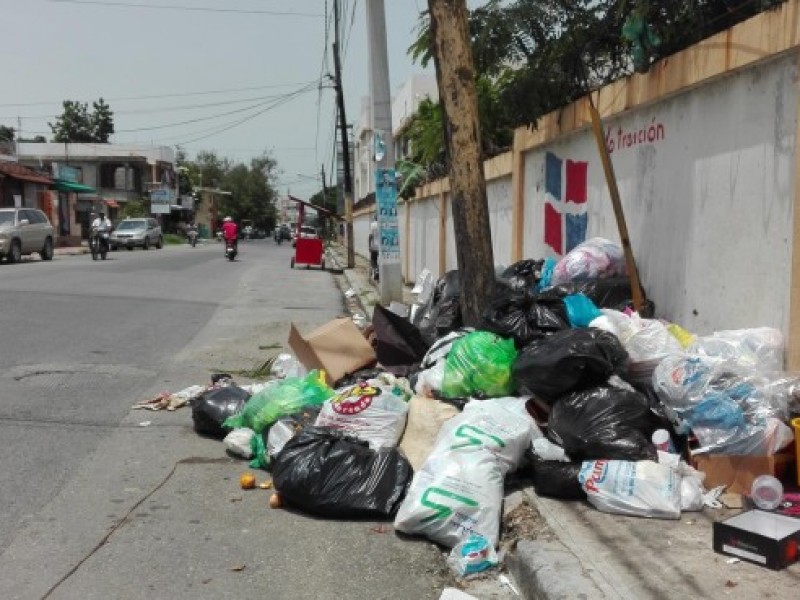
(479, 364)
(260, 457)
(285, 398)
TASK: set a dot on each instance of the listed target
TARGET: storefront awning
(17, 171)
(71, 186)
(111, 203)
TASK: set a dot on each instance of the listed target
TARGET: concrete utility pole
(391, 277)
(455, 75)
(348, 181)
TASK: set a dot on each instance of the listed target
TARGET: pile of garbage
(561, 381)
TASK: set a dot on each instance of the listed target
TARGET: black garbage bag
(605, 292)
(568, 360)
(398, 342)
(556, 479)
(523, 275)
(274, 438)
(328, 474)
(212, 407)
(516, 313)
(604, 422)
(445, 313)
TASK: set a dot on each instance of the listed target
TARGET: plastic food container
(767, 492)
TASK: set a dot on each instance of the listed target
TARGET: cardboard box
(738, 472)
(764, 538)
(338, 347)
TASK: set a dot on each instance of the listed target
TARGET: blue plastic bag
(581, 310)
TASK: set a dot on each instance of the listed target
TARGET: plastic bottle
(662, 441)
(766, 492)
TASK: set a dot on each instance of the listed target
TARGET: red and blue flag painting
(565, 183)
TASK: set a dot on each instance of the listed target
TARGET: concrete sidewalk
(579, 552)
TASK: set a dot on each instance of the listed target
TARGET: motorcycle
(98, 242)
(192, 235)
(230, 250)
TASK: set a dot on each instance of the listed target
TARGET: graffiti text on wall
(618, 138)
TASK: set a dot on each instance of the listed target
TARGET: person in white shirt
(374, 249)
(101, 222)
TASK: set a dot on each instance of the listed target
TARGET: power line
(174, 95)
(190, 8)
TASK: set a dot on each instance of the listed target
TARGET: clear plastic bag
(760, 349)
(596, 257)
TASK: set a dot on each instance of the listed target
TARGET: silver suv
(24, 231)
(136, 232)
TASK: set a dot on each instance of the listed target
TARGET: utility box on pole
(390, 274)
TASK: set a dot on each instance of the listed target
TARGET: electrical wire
(174, 95)
(189, 8)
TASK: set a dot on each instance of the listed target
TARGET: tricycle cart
(308, 251)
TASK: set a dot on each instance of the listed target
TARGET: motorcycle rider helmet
(227, 219)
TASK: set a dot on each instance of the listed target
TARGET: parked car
(307, 232)
(24, 231)
(137, 232)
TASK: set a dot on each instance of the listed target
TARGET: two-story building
(89, 178)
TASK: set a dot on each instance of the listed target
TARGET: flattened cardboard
(738, 472)
(338, 347)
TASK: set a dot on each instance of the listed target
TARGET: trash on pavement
(487, 425)
(398, 342)
(474, 555)
(425, 418)
(567, 361)
(556, 479)
(605, 422)
(596, 257)
(479, 364)
(328, 474)
(216, 405)
(642, 488)
(763, 538)
(519, 314)
(287, 427)
(288, 397)
(338, 348)
(171, 401)
(523, 275)
(285, 365)
(766, 492)
(454, 496)
(238, 442)
(373, 410)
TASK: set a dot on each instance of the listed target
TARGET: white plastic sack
(547, 450)
(490, 425)
(238, 442)
(641, 489)
(430, 380)
(373, 411)
(454, 496)
(644, 339)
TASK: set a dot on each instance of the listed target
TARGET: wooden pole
(613, 190)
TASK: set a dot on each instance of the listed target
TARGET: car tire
(47, 250)
(146, 244)
(15, 252)
(160, 243)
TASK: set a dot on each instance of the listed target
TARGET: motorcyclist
(102, 222)
(192, 233)
(230, 232)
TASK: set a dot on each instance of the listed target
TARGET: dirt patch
(524, 522)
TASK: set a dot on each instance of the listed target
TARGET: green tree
(7, 133)
(102, 121)
(77, 124)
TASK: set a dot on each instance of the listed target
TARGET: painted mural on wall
(565, 217)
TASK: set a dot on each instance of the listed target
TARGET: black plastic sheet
(398, 342)
(328, 474)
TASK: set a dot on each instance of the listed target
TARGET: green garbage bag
(285, 398)
(479, 364)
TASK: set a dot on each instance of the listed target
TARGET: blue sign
(386, 204)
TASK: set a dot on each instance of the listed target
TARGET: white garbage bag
(238, 442)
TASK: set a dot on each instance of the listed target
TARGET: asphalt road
(103, 502)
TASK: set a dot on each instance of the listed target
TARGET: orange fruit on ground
(247, 481)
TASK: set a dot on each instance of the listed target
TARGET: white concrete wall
(708, 203)
(708, 200)
(407, 98)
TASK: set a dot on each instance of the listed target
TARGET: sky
(238, 77)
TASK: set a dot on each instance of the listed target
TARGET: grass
(259, 372)
(172, 239)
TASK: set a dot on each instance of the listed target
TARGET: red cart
(308, 251)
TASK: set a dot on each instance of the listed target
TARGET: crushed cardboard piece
(338, 347)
